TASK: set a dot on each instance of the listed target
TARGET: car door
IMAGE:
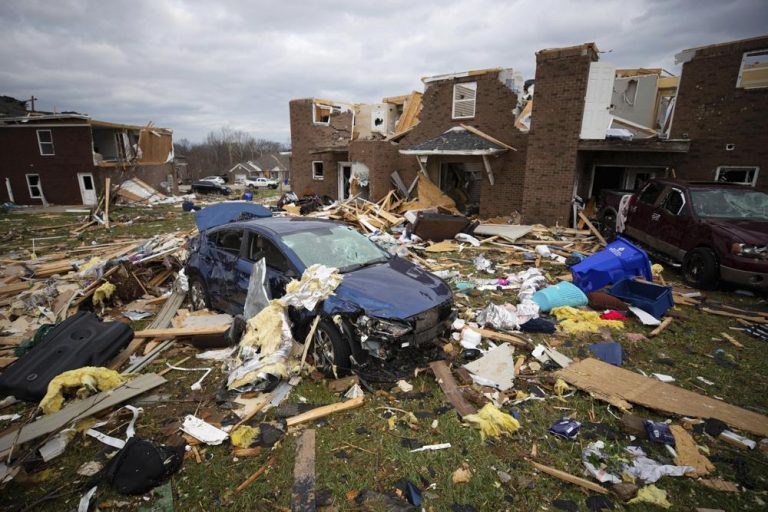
(672, 222)
(280, 271)
(639, 224)
(228, 244)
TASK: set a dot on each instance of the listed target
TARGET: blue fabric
(222, 213)
(609, 352)
(561, 294)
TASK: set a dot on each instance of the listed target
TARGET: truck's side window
(650, 193)
(674, 202)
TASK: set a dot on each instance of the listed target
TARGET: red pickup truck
(718, 231)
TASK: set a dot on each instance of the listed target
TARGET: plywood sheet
(617, 385)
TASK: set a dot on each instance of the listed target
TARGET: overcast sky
(197, 66)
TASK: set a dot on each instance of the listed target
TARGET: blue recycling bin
(619, 260)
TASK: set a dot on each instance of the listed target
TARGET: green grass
(376, 459)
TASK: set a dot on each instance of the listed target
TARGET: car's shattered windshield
(337, 246)
(730, 204)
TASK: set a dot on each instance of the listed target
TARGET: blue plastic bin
(619, 260)
(649, 297)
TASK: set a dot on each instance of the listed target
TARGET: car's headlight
(750, 251)
(385, 327)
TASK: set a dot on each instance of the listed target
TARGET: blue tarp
(222, 213)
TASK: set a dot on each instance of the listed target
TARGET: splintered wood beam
(321, 412)
(175, 332)
(303, 489)
(448, 385)
(571, 479)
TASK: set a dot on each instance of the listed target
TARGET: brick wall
(552, 159)
(307, 137)
(493, 115)
(713, 112)
(58, 173)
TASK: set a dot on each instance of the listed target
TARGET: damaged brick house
(495, 145)
(51, 158)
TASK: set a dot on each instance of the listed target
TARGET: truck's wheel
(330, 350)
(700, 268)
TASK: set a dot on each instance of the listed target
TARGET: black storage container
(80, 340)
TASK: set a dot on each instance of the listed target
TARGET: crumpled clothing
(579, 321)
(538, 325)
(653, 495)
(599, 473)
(86, 380)
(613, 315)
(648, 470)
(508, 316)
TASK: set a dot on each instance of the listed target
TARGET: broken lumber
(567, 477)
(730, 339)
(592, 228)
(688, 453)
(448, 385)
(661, 327)
(617, 385)
(256, 474)
(500, 336)
(321, 412)
(303, 489)
(178, 332)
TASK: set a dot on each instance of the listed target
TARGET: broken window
(674, 202)
(740, 175)
(45, 142)
(753, 73)
(321, 114)
(464, 96)
(229, 240)
(317, 170)
(114, 145)
(33, 183)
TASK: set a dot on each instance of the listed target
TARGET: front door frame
(341, 187)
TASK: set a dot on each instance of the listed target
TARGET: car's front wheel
(700, 268)
(330, 350)
(198, 294)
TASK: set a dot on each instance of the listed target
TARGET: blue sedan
(383, 303)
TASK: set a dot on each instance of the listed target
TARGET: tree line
(221, 150)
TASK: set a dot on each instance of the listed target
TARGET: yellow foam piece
(492, 422)
(86, 380)
(580, 321)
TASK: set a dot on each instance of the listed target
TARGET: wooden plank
(664, 324)
(176, 332)
(80, 409)
(13, 289)
(487, 137)
(448, 385)
(616, 385)
(126, 353)
(303, 489)
(256, 474)
(592, 228)
(567, 477)
(500, 336)
(754, 319)
(730, 339)
(325, 410)
(107, 193)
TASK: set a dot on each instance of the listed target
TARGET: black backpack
(141, 465)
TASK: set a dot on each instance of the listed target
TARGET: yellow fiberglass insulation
(243, 436)
(103, 294)
(86, 380)
(580, 321)
(263, 330)
(492, 422)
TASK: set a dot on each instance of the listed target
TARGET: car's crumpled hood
(746, 231)
(396, 289)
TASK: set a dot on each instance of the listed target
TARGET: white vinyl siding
(45, 142)
(464, 99)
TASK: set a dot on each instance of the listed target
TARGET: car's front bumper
(748, 278)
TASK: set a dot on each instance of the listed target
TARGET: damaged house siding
(727, 124)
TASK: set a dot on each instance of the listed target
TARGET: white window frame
(314, 114)
(40, 143)
(741, 69)
(737, 168)
(469, 85)
(30, 185)
(315, 176)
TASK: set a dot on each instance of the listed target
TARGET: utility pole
(32, 102)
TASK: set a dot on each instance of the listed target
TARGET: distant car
(260, 183)
(215, 179)
(383, 303)
(718, 231)
(209, 187)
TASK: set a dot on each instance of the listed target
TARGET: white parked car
(260, 183)
(214, 179)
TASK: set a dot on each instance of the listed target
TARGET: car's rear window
(336, 246)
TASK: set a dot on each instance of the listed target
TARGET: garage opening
(616, 177)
